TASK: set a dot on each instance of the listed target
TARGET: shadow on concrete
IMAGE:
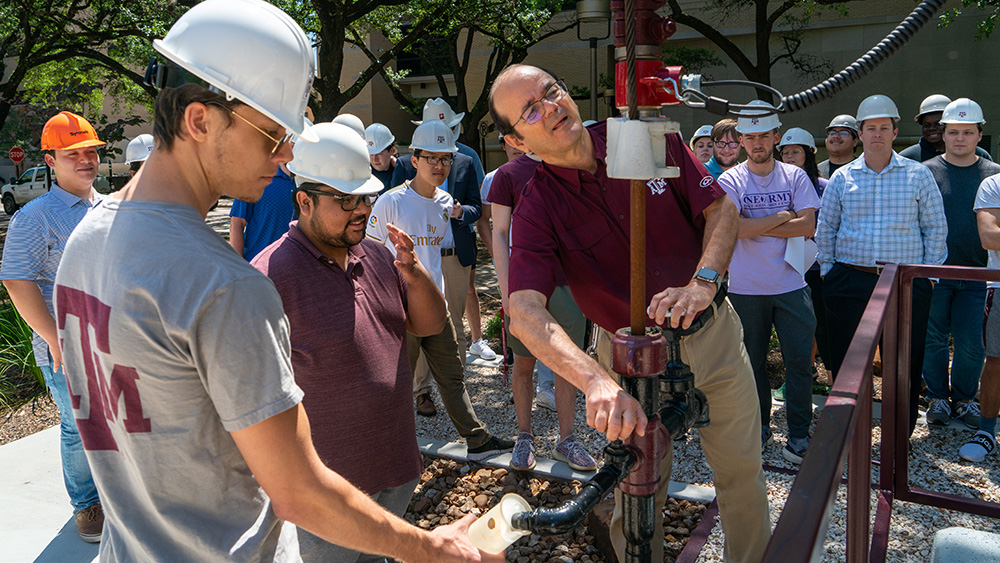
(67, 547)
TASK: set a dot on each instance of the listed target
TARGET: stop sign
(16, 154)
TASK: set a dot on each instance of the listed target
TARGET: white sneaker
(978, 447)
(546, 398)
(482, 349)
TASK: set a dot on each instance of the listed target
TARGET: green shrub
(20, 379)
(493, 327)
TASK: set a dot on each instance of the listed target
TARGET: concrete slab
(962, 545)
(37, 521)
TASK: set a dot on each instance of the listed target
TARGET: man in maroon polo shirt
(573, 215)
(349, 306)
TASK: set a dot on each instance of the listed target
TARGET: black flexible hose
(892, 42)
(796, 102)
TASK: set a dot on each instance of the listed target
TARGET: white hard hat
(963, 110)
(338, 158)
(766, 122)
(138, 149)
(249, 50)
(845, 121)
(438, 109)
(877, 106)
(932, 104)
(798, 136)
(352, 121)
(703, 131)
(378, 138)
(434, 136)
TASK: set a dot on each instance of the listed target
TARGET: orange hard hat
(66, 131)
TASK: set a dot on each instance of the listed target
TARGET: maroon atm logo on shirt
(106, 394)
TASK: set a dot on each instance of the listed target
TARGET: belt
(705, 316)
(448, 251)
(877, 270)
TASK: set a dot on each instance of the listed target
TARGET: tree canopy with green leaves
(510, 27)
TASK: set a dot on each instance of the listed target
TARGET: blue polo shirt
(268, 218)
(35, 242)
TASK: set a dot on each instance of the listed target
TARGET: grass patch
(20, 379)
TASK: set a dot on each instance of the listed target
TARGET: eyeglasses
(536, 110)
(725, 145)
(435, 160)
(348, 202)
(278, 143)
(841, 133)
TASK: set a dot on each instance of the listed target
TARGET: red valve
(654, 89)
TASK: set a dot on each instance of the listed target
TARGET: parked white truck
(33, 183)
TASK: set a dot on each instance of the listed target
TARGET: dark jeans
(956, 309)
(792, 316)
(845, 293)
(822, 334)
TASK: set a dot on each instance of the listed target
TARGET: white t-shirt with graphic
(988, 197)
(426, 219)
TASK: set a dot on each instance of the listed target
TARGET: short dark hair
(304, 187)
(135, 166)
(170, 105)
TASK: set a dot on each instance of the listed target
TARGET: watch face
(708, 274)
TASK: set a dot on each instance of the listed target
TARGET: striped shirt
(34, 245)
(895, 215)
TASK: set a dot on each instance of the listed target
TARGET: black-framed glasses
(725, 145)
(348, 202)
(838, 133)
(435, 160)
(278, 143)
(536, 110)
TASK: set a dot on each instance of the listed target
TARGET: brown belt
(877, 270)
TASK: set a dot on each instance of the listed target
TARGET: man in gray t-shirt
(177, 350)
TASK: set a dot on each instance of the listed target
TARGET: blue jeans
(546, 377)
(76, 471)
(957, 310)
(793, 319)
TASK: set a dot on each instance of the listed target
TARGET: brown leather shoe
(425, 405)
(90, 523)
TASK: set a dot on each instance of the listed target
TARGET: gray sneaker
(766, 438)
(939, 412)
(574, 454)
(795, 450)
(523, 456)
(968, 413)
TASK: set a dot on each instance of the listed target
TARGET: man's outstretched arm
(610, 410)
(280, 453)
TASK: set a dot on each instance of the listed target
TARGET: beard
(340, 239)
(727, 162)
(760, 158)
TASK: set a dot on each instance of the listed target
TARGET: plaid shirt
(896, 215)
(35, 241)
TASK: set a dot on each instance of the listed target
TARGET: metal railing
(843, 433)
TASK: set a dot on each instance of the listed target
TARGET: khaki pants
(456, 288)
(449, 374)
(731, 441)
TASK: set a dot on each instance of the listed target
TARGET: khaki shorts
(566, 312)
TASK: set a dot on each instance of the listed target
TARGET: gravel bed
(27, 419)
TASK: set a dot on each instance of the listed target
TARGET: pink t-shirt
(758, 266)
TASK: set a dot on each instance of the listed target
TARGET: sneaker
(493, 446)
(939, 412)
(573, 454)
(978, 447)
(90, 523)
(779, 394)
(425, 405)
(968, 412)
(766, 438)
(546, 398)
(523, 456)
(482, 349)
(795, 450)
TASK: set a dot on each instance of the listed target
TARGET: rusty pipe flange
(644, 355)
